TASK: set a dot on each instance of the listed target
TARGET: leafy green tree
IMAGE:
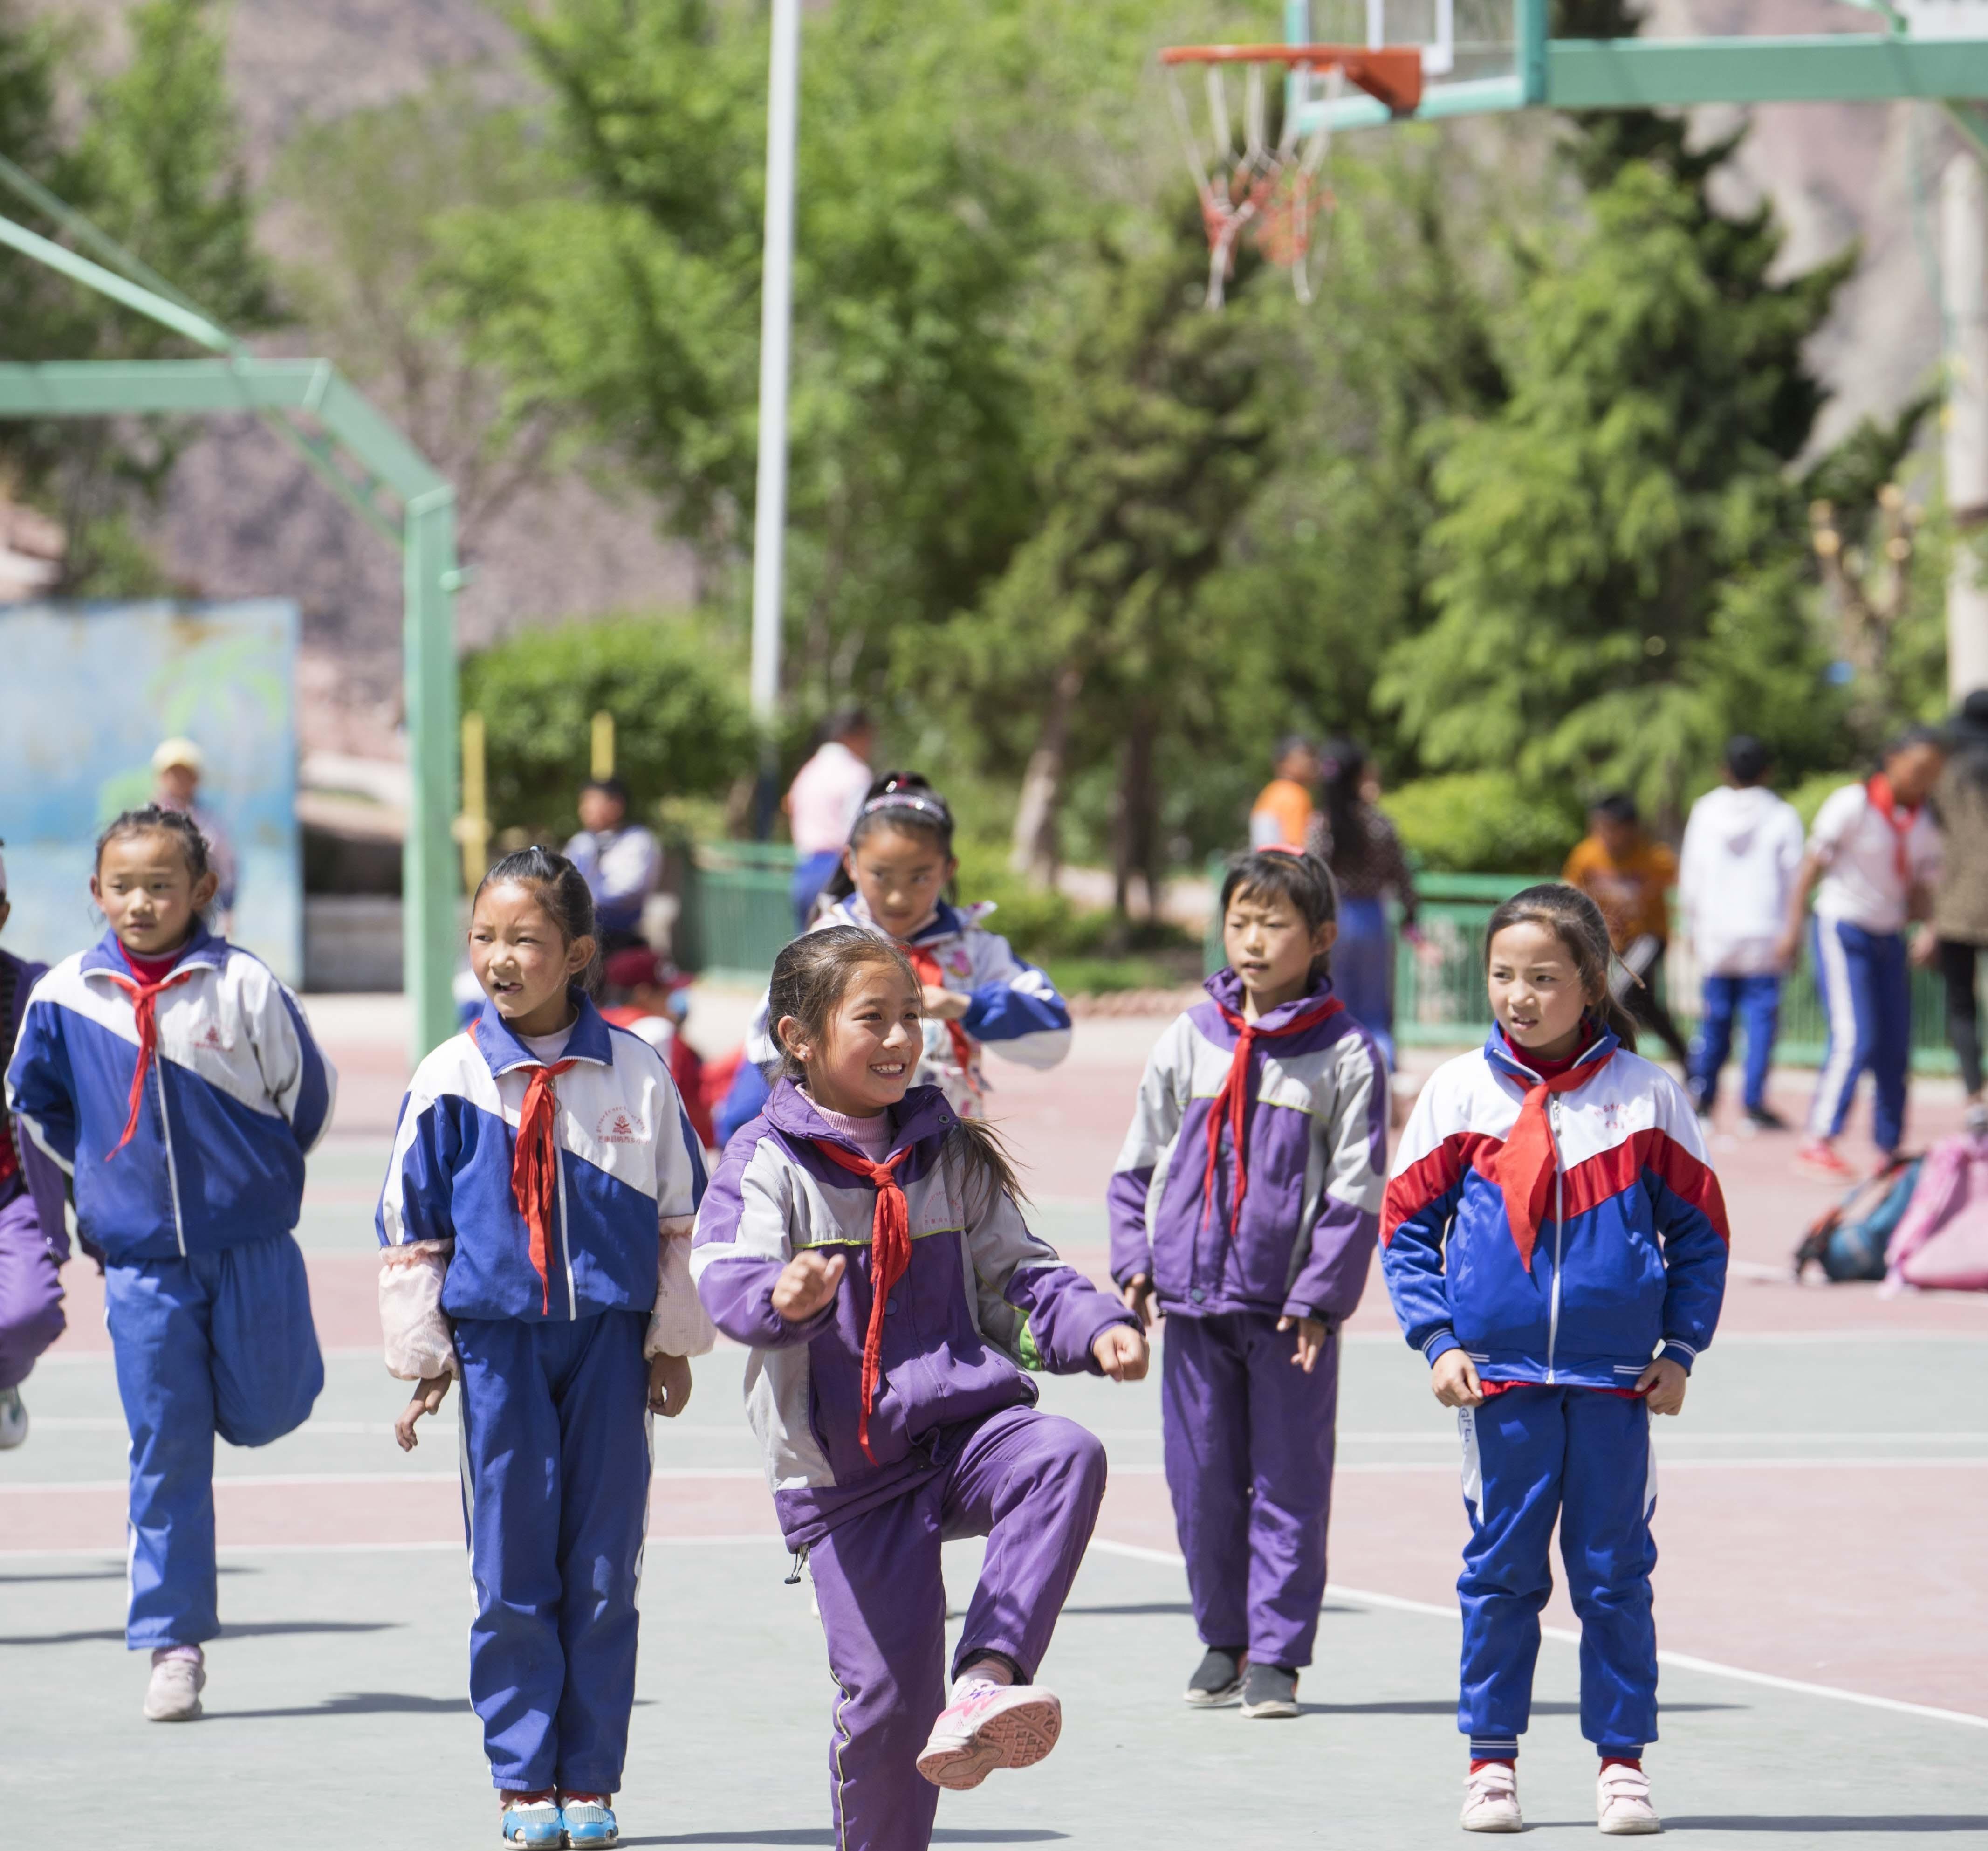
(152, 156)
(682, 728)
(1620, 555)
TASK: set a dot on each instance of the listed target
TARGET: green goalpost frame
(422, 526)
(1661, 74)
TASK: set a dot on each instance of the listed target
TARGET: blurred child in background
(1628, 874)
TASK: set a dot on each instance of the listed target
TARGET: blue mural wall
(86, 692)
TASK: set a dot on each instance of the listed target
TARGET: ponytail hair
(898, 799)
(811, 976)
(562, 890)
(1577, 922)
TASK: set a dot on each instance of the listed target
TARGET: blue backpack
(1850, 1241)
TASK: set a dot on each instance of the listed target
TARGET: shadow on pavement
(1430, 1707)
(267, 1629)
(810, 1835)
(358, 1703)
(1894, 1821)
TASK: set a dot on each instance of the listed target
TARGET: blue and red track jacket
(1632, 1250)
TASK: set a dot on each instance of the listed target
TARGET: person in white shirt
(823, 803)
(1873, 854)
(620, 861)
(1742, 850)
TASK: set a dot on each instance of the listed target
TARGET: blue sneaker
(532, 1822)
(590, 1822)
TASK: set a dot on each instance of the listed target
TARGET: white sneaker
(13, 1419)
(1491, 1798)
(988, 1726)
(173, 1694)
(1622, 1806)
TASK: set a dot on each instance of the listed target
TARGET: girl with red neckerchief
(1243, 1210)
(1555, 1243)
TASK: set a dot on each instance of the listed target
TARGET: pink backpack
(1942, 1240)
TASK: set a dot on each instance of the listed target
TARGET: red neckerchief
(1525, 1168)
(889, 1259)
(1898, 819)
(928, 972)
(1232, 1103)
(535, 1170)
(144, 990)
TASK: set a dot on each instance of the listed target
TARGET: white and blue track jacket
(1015, 1009)
(238, 1095)
(629, 1162)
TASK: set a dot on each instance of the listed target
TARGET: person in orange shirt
(1628, 874)
(1282, 815)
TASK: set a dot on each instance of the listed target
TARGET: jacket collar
(1226, 988)
(1506, 1060)
(922, 1113)
(204, 949)
(503, 1050)
(948, 921)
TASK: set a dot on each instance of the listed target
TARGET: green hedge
(1482, 822)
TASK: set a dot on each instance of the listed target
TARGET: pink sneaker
(1821, 1155)
(988, 1726)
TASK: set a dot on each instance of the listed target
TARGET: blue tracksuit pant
(215, 1343)
(555, 1431)
(1756, 1004)
(1530, 1455)
(1867, 998)
(1363, 970)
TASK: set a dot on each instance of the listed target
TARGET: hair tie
(905, 799)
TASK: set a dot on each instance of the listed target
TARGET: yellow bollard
(603, 746)
(472, 827)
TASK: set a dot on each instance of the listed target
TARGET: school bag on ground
(1942, 1240)
(1851, 1241)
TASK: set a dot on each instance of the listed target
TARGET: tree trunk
(1132, 845)
(1035, 850)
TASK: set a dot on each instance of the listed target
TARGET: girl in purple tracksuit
(1244, 1208)
(864, 1241)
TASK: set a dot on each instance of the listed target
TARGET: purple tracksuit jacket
(1248, 1438)
(983, 1301)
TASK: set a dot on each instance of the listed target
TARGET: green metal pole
(1530, 24)
(432, 866)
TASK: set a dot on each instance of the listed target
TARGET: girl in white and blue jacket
(1555, 1244)
(978, 996)
(536, 1221)
(175, 1080)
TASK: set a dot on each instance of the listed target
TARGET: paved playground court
(1823, 1503)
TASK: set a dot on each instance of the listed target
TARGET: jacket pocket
(1612, 1284)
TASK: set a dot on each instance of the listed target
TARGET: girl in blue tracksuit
(1555, 1244)
(977, 994)
(175, 1079)
(536, 1223)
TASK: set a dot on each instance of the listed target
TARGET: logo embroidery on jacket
(207, 1035)
(1612, 1115)
(618, 1125)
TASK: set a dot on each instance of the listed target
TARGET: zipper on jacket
(166, 1137)
(1560, 1224)
(565, 1240)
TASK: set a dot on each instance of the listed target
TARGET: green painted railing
(736, 913)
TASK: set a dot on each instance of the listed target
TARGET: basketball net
(1273, 193)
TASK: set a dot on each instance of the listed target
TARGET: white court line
(1681, 1660)
(298, 1480)
(1676, 1436)
(111, 1557)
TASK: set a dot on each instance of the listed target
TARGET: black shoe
(1764, 1118)
(1270, 1690)
(1217, 1681)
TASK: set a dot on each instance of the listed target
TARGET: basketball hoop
(1273, 191)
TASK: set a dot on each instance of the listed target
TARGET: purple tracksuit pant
(1031, 1484)
(1249, 1456)
(31, 1294)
